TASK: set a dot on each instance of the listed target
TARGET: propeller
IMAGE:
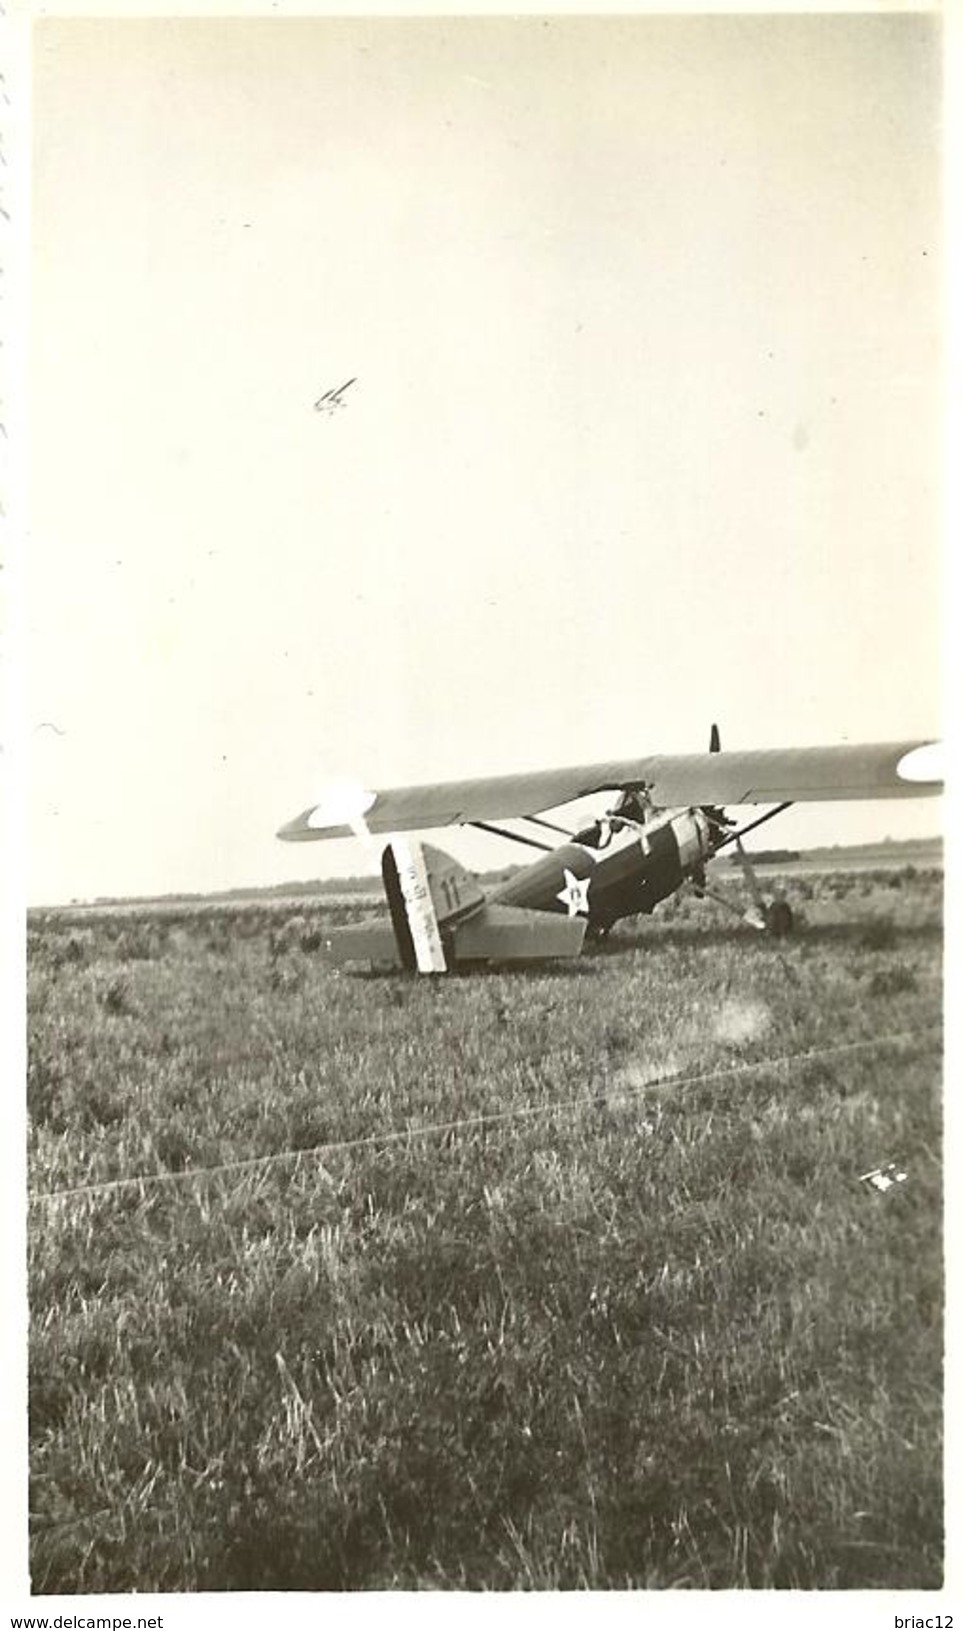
(714, 814)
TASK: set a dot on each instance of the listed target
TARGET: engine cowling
(693, 834)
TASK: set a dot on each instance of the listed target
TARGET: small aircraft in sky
(333, 399)
(668, 819)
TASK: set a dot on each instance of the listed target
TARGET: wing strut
(550, 826)
(516, 837)
(734, 837)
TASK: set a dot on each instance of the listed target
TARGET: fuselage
(619, 874)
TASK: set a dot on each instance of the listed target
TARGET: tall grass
(663, 1337)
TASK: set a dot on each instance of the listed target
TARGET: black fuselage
(629, 874)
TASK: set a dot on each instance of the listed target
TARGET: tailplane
(439, 917)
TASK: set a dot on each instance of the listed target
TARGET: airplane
(667, 821)
(333, 399)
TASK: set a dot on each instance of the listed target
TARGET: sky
(643, 320)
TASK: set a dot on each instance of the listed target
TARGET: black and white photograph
(483, 645)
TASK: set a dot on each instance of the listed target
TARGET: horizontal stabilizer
(510, 934)
(372, 943)
(493, 934)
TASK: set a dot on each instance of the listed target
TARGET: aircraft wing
(874, 770)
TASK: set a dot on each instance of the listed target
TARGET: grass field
(651, 1331)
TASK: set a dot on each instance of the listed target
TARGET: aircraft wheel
(779, 918)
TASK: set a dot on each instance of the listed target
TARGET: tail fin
(427, 891)
(439, 915)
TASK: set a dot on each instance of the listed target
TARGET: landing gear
(598, 930)
(779, 918)
(773, 917)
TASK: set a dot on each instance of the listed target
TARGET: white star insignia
(575, 894)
